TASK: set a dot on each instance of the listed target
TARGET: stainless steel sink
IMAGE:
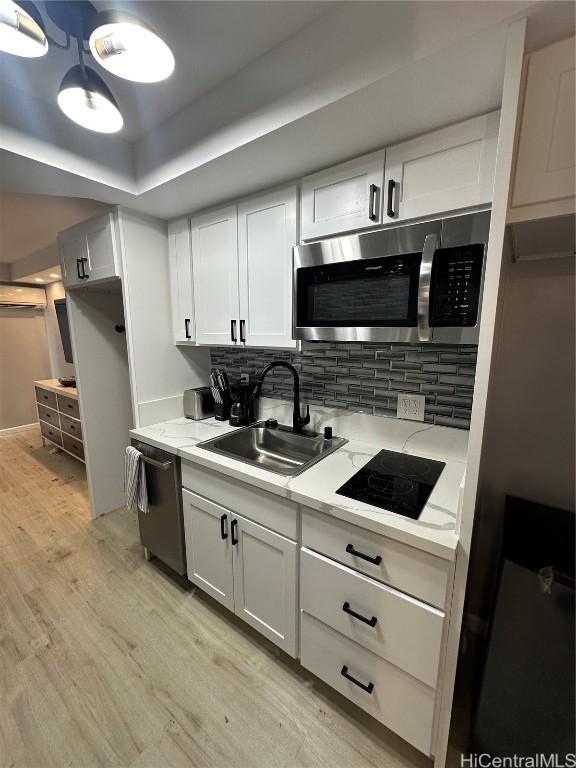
(276, 449)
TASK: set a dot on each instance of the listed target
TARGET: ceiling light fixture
(127, 47)
(53, 274)
(20, 33)
(86, 99)
(38, 279)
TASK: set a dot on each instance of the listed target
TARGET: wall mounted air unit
(13, 296)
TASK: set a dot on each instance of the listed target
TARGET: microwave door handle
(430, 245)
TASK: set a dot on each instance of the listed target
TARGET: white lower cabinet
(265, 582)
(398, 700)
(248, 568)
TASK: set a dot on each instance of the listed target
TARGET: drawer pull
(376, 560)
(371, 622)
(365, 687)
(223, 526)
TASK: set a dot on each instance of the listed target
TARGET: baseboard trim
(14, 430)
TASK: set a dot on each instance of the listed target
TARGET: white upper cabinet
(89, 252)
(442, 171)
(343, 198)
(215, 268)
(266, 235)
(544, 179)
(181, 289)
(72, 247)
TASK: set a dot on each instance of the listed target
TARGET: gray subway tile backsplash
(366, 377)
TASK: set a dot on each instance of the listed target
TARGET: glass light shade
(128, 48)
(20, 34)
(86, 99)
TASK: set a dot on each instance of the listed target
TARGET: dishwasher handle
(155, 463)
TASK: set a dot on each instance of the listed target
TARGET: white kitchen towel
(135, 481)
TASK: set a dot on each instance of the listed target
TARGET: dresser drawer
(72, 426)
(410, 570)
(398, 628)
(69, 406)
(46, 397)
(74, 446)
(269, 510)
(396, 699)
(48, 415)
(51, 433)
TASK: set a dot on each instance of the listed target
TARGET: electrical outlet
(411, 407)
(244, 378)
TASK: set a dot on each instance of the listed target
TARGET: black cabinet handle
(243, 330)
(376, 560)
(187, 328)
(371, 622)
(365, 687)
(223, 531)
(233, 527)
(390, 206)
(372, 213)
(233, 331)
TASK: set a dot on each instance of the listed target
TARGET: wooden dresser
(59, 416)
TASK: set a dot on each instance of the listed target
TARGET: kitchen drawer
(49, 415)
(74, 446)
(399, 701)
(72, 426)
(269, 510)
(46, 397)
(410, 570)
(69, 406)
(402, 630)
(51, 433)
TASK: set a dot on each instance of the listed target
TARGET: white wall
(23, 359)
(58, 365)
(529, 446)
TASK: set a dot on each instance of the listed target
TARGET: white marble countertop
(434, 531)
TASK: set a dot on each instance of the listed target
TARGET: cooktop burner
(397, 482)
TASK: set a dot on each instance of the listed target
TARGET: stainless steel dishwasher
(162, 527)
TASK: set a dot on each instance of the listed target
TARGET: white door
(102, 249)
(207, 530)
(266, 237)
(265, 581)
(181, 281)
(442, 171)
(72, 247)
(215, 268)
(546, 156)
(343, 198)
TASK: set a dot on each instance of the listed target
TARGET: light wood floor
(104, 661)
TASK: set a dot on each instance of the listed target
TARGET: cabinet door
(102, 249)
(265, 582)
(344, 198)
(215, 267)
(209, 547)
(442, 171)
(181, 281)
(72, 247)
(545, 161)
(266, 237)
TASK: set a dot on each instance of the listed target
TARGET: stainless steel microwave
(418, 283)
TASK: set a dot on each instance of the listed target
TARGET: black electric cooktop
(397, 482)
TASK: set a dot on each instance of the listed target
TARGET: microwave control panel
(455, 286)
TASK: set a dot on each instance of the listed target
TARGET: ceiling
(263, 92)
(43, 277)
(210, 40)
